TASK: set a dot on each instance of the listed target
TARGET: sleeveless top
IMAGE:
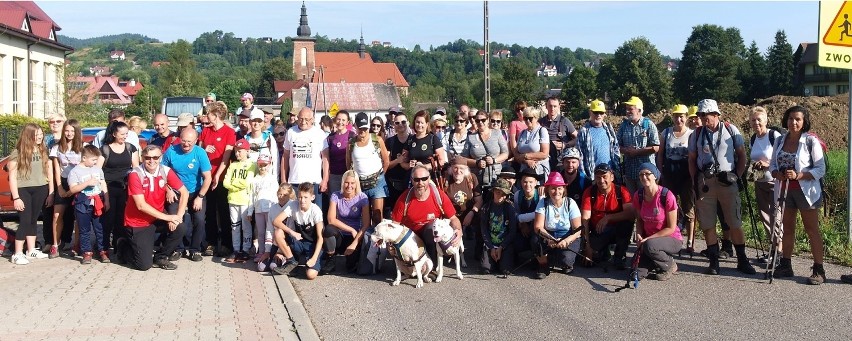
(677, 147)
(117, 166)
(366, 159)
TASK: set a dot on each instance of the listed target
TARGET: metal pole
(487, 56)
(849, 167)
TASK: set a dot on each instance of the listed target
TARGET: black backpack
(772, 137)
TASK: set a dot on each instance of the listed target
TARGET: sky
(601, 26)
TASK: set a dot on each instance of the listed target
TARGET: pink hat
(264, 159)
(243, 144)
(554, 179)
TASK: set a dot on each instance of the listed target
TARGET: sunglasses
(529, 118)
(440, 127)
(151, 157)
(400, 123)
(496, 121)
(482, 120)
(56, 121)
(598, 113)
(423, 179)
(458, 120)
(646, 174)
(376, 125)
(209, 101)
(281, 134)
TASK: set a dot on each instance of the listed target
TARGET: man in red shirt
(609, 219)
(218, 141)
(422, 208)
(144, 217)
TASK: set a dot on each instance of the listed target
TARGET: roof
(129, 90)
(116, 53)
(353, 97)
(809, 53)
(96, 86)
(26, 20)
(285, 88)
(349, 67)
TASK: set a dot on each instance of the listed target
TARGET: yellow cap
(693, 111)
(635, 101)
(597, 106)
(679, 109)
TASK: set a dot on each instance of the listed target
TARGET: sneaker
(287, 267)
(261, 266)
(746, 268)
(817, 276)
(242, 257)
(54, 252)
(195, 256)
(846, 279)
(542, 272)
(208, 252)
(661, 275)
(620, 263)
(165, 264)
(37, 254)
(231, 259)
(87, 258)
(20, 259)
(175, 256)
(782, 271)
(328, 266)
(104, 257)
(567, 270)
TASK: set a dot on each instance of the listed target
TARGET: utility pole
(487, 60)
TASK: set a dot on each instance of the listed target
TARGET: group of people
(294, 192)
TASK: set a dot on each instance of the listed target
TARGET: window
(33, 85)
(820, 90)
(842, 89)
(16, 84)
(819, 70)
(304, 57)
(45, 96)
(2, 69)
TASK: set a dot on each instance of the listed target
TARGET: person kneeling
(499, 223)
(657, 235)
(303, 231)
(557, 217)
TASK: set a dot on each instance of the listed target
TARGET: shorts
(796, 200)
(379, 191)
(726, 197)
(59, 200)
(303, 250)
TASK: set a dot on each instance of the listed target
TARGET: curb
(299, 319)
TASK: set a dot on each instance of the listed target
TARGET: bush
(10, 129)
(835, 182)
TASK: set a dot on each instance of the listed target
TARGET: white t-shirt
(762, 150)
(266, 146)
(305, 149)
(265, 192)
(309, 218)
(274, 211)
(67, 160)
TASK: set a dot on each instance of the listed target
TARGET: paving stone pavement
(60, 299)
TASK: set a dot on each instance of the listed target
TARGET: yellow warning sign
(835, 29)
(840, 31)
(334, 109)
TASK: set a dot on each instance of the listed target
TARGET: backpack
(772, 137)
(105, 151)
(810, 146)
(618, 197)
(435, 194)
(699, 138)
(664, 195)
(373, 137)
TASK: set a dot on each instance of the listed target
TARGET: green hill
(115, 38)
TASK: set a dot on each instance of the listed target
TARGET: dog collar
(445, 246)
(398, 244)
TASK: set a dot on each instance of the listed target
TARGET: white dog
(444, 235)
(409, 254)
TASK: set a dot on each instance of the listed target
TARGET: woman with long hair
(424, 146)
(348, 219)
(377, 127)
(118, 157)
(30, 183)
(65, 155)
(368, 156)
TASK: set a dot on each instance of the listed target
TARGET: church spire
(304, 31)
(362, 49)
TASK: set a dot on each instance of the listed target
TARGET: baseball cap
(184, 119)
(362, 121)
(597, 106)
(439, 117)
(263, 159)
(441, 110)
(247, 96)
(256, 115)
(393, 109)
(635, 101)
(571, 153)
(242, 144)
(707, 106)
(603, 168)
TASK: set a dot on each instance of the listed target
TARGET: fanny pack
(726, 178)
(370, 181)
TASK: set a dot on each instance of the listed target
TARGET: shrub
(10, 129)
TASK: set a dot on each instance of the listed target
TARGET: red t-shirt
(604, 204)
(421, 213)
(155, 195)
(221, 138)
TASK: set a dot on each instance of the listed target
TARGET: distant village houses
(103, 90)
(117, 55)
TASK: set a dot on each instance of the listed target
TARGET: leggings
(114, 217)
(33, 198)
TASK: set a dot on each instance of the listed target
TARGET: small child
(499, 222)
(303, 232)
(264, 186)
(266, 260)
(238, 181)
(86, 182)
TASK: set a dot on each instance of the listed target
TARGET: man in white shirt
(116, 115)
(305, 156)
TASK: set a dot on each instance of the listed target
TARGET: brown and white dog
(407, 249)
(444, 235)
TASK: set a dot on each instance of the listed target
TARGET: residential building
(32, 61)
(104, 90)
(117, 55)
(500, 54)
(546, 70)
(100, 70)
(814, 80)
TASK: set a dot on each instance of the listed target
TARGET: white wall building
(32, 61)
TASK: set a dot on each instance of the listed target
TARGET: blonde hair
(287, 188)
(760, 111)
(351, 174)
(532, 111)
(56, 115)
(136, 122)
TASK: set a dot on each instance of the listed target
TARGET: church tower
(303, 49)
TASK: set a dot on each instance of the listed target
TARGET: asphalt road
(582, 305)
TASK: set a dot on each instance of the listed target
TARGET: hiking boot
(165, 264)
(783, 270)
(175, 256)
(746, 268)
(287, 267)
(542, 272)
(713, 268)
(328, 266)
(195, 256)
(620, 263)
(19, 259)
(567, 270)
(87, 258)
(208, 252)
(231, 259)
(104, 257)
(817, 276)
(846, 279)
(54, 252)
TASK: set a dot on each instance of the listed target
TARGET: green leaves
(710, 66)
(637, 69)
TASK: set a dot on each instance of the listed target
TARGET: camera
(710, 170)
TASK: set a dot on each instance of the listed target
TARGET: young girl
(86, 183)
(264, 185)
(265, 260)
(499, 223)
(238, 183)
(30, 183)
(303, 232)
(65, 155)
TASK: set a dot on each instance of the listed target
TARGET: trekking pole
(634, 272)
(754, 229)
(777, 231)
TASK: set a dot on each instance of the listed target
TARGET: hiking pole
(751, 217)
(634, 272)
(777, 231)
